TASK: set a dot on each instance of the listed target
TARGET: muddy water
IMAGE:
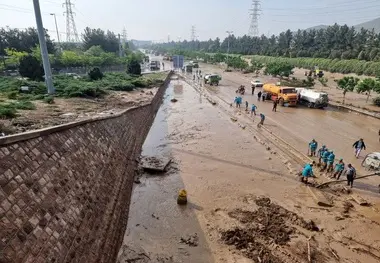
(215, 158)
(338, 129)
(222, 167)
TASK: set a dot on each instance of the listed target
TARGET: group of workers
(239, 100)
(326, 159)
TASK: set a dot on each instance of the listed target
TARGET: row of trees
(334, 42)
(22, 40)
(367, 85)
(26, 40)
(94, 56)
(99, 48)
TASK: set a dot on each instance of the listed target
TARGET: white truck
(313, 99)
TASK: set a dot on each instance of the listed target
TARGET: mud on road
(266, 227)
(224, 167)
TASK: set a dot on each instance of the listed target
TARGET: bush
(30, 67)
(124, 86)
(140, 83)
(22, 105)
(12, 95)
(83, 90)
(7, 112)
(95, 74)
(49, 99)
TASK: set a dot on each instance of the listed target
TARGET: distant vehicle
(287, 96)
(188, 68)
(194, 64)
(155, 65)
(212, 79)
(312, 99)
(257, 83)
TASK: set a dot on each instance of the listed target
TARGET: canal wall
(65, 190)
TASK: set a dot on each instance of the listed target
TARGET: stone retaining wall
(65, 190)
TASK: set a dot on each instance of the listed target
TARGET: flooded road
(337, 129)
(223, 166)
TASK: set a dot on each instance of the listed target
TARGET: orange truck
(287, 96)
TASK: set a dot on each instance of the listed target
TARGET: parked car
(257, 83)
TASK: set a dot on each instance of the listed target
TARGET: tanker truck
(287, 96)
(312, 99)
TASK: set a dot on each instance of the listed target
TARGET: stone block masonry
(65, 191)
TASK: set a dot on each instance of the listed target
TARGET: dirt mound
(269, 224)
(244, 241)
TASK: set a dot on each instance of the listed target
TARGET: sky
(156, 20)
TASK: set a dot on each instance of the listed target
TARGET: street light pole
(43, 47)
(228, 45)
(56, 28)
(179, 69)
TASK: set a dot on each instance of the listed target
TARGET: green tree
(30, 67)
(70, 59)
(95, 51)
(282, 69)
(347, 84)
(134, 66)
(22, 40)
(367, 85)
(97, 37)
(13, 56)
(95, 74)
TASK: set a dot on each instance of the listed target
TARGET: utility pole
(228, 44)
(179, 41)
(43, 47)
(168, 38)
(255, 13)
(56, 28)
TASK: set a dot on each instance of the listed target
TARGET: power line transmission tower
(255, 13)
(71, 29)
(193, 32)
(125, 35)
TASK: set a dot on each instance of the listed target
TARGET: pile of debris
(269, 225)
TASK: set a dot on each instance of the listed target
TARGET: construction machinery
(286, 96)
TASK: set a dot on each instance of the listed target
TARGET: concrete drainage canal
(160, 230)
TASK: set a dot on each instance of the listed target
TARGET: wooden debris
(308, 249)
(319, 197)
(360, 200)
(319, 208)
